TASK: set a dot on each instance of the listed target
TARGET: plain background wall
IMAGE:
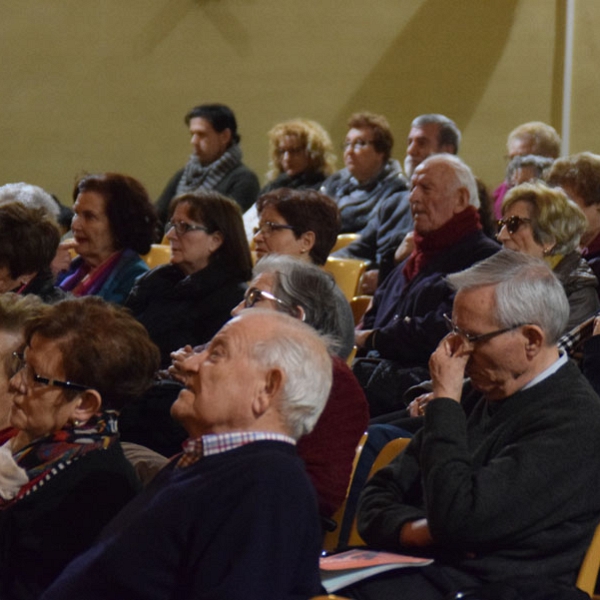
(98, 86)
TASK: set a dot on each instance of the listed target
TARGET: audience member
(190, 299)
(31, 196)
(28, 242)
(579, 177)
(533, 137)
(529, 167)
(114, 223)
(543, 222)
(303, 224)
(370, 175)
(507, 499)
(64, 475)
(391, 221)
(216, 160)
(235, 515)
(405, 322)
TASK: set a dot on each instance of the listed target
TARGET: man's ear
(273, 384)
(463, 198)
(535, 339)
(226, 136)
(87, 404)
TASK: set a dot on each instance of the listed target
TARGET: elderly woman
(189, 300)
(64, 475)
(579, 177)
(28, 243)
(543, 222)
(114, 223)
(304, 224)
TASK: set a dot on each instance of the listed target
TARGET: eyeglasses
(291, 151)
(181, 227)
(254, 295)
(268, 227)
(356, 145)
(482, 337)
(18, 364)
(512, 224)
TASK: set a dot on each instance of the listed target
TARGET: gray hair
(538, 163)
(526, 291)
(462, 172)
(31, 196)
(300, 352)
(448, 134)
(302, 284)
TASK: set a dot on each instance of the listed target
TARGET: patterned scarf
(47, 456)
(83, 282)
(428, 247)
(196, 177)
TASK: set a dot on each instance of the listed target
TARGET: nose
(16, 384)
(192, 363)
(259, 236)
(236, 310)
(503, 235)
(411, 150)
(171, 234)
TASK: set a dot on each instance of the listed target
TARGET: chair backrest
(347, 273)
(159, 254)
(343, 240)
(331, 540)
(385, 456)
(588, 572)
(359, 305)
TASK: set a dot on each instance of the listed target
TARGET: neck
(96, 260)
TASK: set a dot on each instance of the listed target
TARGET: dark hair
(102, 347)
(383, 140)
(307, 210)
(130, 212)
(218, 213)
(221, 117)
(28, 239)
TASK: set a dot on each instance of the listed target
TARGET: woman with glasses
(114, 223)
(543, 222)
(303, 224)
(63, 474)
(189, 300)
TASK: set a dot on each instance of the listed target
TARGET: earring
(76, 423)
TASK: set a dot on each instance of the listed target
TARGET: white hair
(31, 196)
(462, 172)
(301, 353)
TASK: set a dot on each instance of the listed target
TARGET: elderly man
(216, 163)
(405, 323)
(509, 495)
(370, 175)
(235, 516)
(429, 134)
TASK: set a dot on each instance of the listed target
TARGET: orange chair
(159, 255)
(347, 273)
(359, 305)
(588, 572)
(343, 240)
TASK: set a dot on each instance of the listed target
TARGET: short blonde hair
(312, 137)
(580, 172)
(555, 217)
(543, 138)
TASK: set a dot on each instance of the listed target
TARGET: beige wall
(104, 85)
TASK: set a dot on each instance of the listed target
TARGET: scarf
(49, 455)
(196, 177)
(431, 245)
(84, 282)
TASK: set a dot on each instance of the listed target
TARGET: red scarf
(429, 246)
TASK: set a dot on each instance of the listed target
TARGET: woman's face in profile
(10, 341)
(521, 239)
(94, 241)
(293, 157)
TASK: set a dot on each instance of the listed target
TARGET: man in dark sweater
(508, 498)
(235, 516)
(216, 162)
(406, 322)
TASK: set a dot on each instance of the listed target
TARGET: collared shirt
(215, 443)
(555, 366)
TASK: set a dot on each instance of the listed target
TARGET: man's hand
(417, 407)
(176, 370)
(368, 282)
(405, 248)
(447, 367)
(360, 337)
(416, 533)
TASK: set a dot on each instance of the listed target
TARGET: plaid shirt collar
(215, 443)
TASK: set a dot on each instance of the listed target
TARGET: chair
(347, 273)
(352, 356)
(343, 240)
(329, 597)
(359, 305)
(159, 255)
(331, 540)
(588, 572)
(385, 456)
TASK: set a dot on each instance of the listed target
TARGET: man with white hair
(502, 483)
(405, 322)
(235, 516)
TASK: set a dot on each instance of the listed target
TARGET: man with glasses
(405, 322)
(507, 496)
(391, 221)
(370, 175)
